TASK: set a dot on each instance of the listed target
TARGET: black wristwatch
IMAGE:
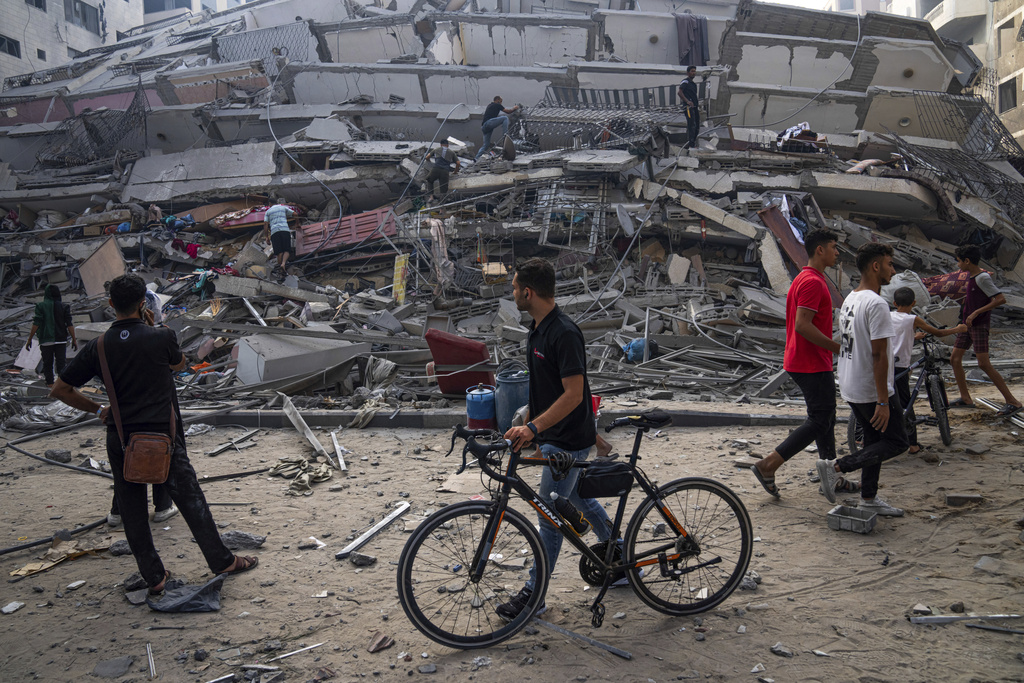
(533, 427)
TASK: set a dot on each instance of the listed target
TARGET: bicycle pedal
(598, 615)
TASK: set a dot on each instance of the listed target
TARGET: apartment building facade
(36, 35)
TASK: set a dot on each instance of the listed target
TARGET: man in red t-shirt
(808, 358)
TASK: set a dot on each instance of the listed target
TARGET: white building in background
(36, 35)
(158, 10)
(856, 6)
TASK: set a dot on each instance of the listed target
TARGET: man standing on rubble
(443, 159)
(275, 221)
(976, 313)
(808, 359)
(141, 359)
(690, 97)
(866, 382)
(494, 116)
(560, 406)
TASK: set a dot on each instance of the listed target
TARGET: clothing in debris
(140, 358)
(692, 39)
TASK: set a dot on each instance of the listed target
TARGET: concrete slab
(264, 357)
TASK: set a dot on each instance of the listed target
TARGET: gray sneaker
(879, 507)
(113, 520)
(829, 477)
(164, 515)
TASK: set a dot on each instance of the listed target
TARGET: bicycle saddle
(655, 419)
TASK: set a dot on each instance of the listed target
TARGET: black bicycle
(685, 549)
(930, 376)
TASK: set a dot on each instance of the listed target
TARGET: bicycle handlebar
(480, 450)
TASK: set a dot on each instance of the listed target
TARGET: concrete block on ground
(265, 357)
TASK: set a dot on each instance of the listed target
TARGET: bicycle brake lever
(465, 450)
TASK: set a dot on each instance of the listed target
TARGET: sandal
(240, 564)
(844, 485)
(157, 591)
(960, 403)
(1009, 410)
(766, 483)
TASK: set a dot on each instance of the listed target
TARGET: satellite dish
(625, 220)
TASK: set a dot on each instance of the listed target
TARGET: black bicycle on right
(930, 377)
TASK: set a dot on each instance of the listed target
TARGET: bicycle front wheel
(937, 397)
(434, 582)
(693, 573)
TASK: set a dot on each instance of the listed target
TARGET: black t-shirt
(493, 109)
(689, 89)
(555, 349)
(140, 359)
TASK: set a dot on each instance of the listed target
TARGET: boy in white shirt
(866, 381)
(905, 323)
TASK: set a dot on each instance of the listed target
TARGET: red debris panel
(346, 232)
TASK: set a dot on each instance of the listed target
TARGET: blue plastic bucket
(512, 393)
(480, 407)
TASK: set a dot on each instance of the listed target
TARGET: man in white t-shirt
(866, 381)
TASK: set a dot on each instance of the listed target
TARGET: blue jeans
(590, 507)
(488, 129)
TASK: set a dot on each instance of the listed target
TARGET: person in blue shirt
(275, 221)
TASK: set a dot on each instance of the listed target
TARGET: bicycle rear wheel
(678, 577)
(434, 585)
(937, 397)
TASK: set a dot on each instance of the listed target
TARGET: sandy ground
(839, 593)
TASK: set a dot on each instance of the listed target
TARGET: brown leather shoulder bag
(147, 455)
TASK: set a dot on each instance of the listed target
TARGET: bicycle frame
(510, 482)
(929, 363)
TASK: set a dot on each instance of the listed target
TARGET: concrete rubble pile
(160, 154)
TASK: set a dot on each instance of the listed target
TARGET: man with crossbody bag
(139, 360)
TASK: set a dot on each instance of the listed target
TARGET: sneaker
(829, 477)
(113, 520)
(164, 515)
(879, 507)
(514, 607)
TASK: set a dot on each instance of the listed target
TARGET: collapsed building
(873, 126)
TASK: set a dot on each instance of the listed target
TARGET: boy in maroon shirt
(808, 359)
(982, 297)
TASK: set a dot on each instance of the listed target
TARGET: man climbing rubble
(442, 158)
(690, 97)
(275, 222)
(494, 116)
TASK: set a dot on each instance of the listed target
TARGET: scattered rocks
(430, 668)
(700, 637)
(970, 450)
(988, 564)
(957, 608)
(361, 560)
(748, 584)
(114, 668)
(58, 455)
(75, 585)
(921, 608)
(758, 668)
(135, 582)
(137, 597)
(38, 589)
(958, 499)
(741, 629)
(781, 650)
(241, 540)
(200, 655)
(12, 607)
(118, 548)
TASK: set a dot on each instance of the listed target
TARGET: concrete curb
(446, 419)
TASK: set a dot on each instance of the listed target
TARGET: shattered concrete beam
(249, 287)
(713, 213)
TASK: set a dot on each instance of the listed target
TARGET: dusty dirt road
(838, 593)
